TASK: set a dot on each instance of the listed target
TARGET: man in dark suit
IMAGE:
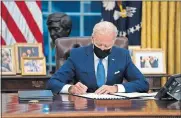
(99, 67)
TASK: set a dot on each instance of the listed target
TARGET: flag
(126, 16)
(21, 21)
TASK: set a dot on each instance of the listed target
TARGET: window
(84, 15)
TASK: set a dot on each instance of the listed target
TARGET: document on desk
(135, 94)
(101, 96)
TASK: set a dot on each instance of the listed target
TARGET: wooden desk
(71, 106)
(19, 82)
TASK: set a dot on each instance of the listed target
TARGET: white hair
(104, 27)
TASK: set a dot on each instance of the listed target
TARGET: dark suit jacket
(80, 67)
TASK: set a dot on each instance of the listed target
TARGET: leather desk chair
(63, 46)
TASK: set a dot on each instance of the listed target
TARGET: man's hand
(105, 89)
(78, 88)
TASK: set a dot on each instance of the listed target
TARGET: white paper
(135, 94)
(101, 96)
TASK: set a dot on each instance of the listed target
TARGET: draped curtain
(161, 28)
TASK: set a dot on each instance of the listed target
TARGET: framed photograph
(33, 66)
(27, 50)
(150, 61)
(7, 59)
(133, 47)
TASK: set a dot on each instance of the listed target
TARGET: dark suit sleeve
(136, 80)
(62, 76)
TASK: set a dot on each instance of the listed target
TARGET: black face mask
(101, 53)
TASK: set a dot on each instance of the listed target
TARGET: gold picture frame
(27, 50)
(8, 65)
(150, 61)
(133, 47)
(33, 66)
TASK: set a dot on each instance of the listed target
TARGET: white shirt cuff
(65, 88)
(121, 88)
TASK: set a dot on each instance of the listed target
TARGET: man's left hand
(105, 89)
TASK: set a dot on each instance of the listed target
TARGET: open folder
(35, 95)
(117, 95)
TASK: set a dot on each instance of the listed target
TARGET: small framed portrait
(150, 61)
(133, 47)
(33, 66)
(7, 59)
(27, 50)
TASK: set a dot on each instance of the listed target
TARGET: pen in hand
(78, 89)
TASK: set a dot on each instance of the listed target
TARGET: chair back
(65, 44)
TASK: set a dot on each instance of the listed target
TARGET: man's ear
(92, 39)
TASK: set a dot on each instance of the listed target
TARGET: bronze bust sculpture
(59, 25)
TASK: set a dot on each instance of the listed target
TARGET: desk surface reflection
(73, 106)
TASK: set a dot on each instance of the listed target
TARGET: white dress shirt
(96, 61)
